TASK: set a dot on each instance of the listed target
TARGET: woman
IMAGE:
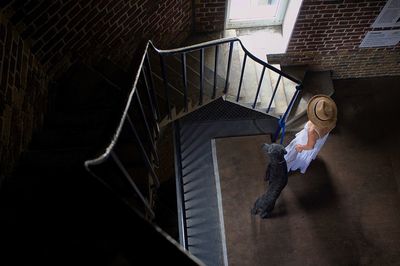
(322, 116)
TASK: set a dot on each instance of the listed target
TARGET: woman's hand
(299, 148)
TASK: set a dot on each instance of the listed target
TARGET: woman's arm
(312, 139)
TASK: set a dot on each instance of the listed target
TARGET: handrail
(104, 156)
(109, 149)
(202, 45)
(100, 159)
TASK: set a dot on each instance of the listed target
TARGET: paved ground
(344, 211)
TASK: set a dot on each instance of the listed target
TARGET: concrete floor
(344, 211)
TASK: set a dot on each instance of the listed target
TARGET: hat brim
(314, 118)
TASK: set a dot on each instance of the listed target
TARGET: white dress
(301, 160)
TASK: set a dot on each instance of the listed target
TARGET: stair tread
(175, 81)
(280, 100)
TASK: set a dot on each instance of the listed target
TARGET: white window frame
(244, 23)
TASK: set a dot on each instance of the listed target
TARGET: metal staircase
(206, 94)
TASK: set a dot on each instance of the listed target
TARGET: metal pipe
(144, 153)
(184, 77)
(222, 41)
(151, 83)
(166, 86)
(201, 76)
(259, 87)
(153, 111)
(215, 72)
(229, 67)
(273, 94)
(241, 77)
(150, 136)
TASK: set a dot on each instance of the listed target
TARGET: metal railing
(144, 71)
(247, 54)
(150, 158)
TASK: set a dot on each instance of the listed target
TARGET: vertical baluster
(290, 106)
(144, 153)
(132, 183)
(184, 76)
(149, 134)
(201, 76)
(273, 94)
(154, 113)
(259, 87)
(166, 86)
(241, 77)
(215, 72)
(151, 83)
(229, 67)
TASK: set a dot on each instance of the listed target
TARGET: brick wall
(23, 96)
(59, 31)
(41, 38)
(209, 15)
(327, 35)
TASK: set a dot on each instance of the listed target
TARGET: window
(255, 13)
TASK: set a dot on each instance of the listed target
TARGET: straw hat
(322, 111)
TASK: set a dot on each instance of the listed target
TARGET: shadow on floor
(344, 210)
(319, 192)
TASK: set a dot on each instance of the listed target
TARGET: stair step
(176, 97)
(280, 101)
(175, 80)
(167, 120)
(251, 78)
(193, 62)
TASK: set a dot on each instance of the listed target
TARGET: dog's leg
(267, 208)
(264, 214)
(255, 208)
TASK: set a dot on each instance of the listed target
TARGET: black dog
(277, 175)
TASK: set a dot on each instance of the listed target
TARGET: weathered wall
(327, 36)
(209, 15)
(23, 96)
(59, 31)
